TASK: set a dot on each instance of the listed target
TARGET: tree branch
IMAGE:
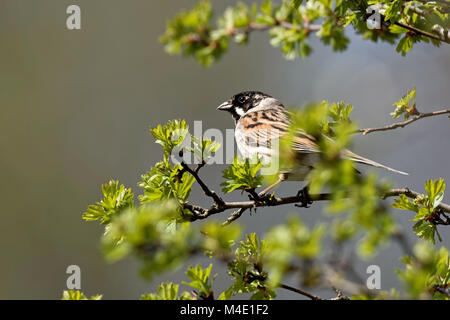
(405, 123)
(199, 213)
(203, 213)
(442, 289)
(260, 27)
(439, 36)
(413, 194)
(210, 193)
(299, 291)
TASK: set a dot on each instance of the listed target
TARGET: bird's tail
(357, 158)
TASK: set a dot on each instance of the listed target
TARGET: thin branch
(439, 35)
(421, 32)
(440, 1)
(442, 289)
(412, 194)
(203, 213)
(334, 279)
(259, 27)
(210, 193)
(263, 27)
(405, 123)
(299, 291)
(199, 213)
(316, 27)
(235, 215)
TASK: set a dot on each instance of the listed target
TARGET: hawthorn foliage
(290, 24)
(163, 229)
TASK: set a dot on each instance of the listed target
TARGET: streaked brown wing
(262, 126)
(305, 143)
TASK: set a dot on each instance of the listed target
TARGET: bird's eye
(241, 99)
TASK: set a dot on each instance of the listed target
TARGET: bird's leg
(263, 197)
(253, 196)
(305, 199)
(281, 178)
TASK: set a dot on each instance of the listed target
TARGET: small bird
(260, 118)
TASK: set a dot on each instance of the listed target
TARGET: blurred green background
(76, 107)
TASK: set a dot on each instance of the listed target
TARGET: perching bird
(260, 118)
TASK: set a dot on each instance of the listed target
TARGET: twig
(412, 194)
(202, 213)
(299, 291)
(235, 215)
(263, 27)
(442, 289)
(210, 193)
(334, 279)
(404, 123)
(423, 33)
(194, 37)
(447, 2)
(199, 213)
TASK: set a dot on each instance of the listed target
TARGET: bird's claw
(305, 199)
(266, 199)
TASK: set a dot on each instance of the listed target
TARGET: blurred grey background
(76, 107)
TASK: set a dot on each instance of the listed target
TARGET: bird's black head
(240, 103)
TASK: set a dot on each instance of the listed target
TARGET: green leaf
(200, 279)
(406, 105)
(162, 182)
(343, 230)
(167, 291)
(226, 295)
(435, 191)
(247, 270)
(143, 232)
(289, 241)
(219, 239)
(242, 174)
(428, 268)
(392, 12)
(425, 230)
(340, 111)
(204, 148)
(115, 199)
(404, 45)
(78, 295)
(296, 3)
(403, 203)
(170, 136)
(266, 7)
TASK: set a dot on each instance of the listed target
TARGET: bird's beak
(225, 106)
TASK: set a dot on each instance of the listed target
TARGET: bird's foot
(264, 198)
(305, 199)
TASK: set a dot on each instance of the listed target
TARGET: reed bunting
(260, 118)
